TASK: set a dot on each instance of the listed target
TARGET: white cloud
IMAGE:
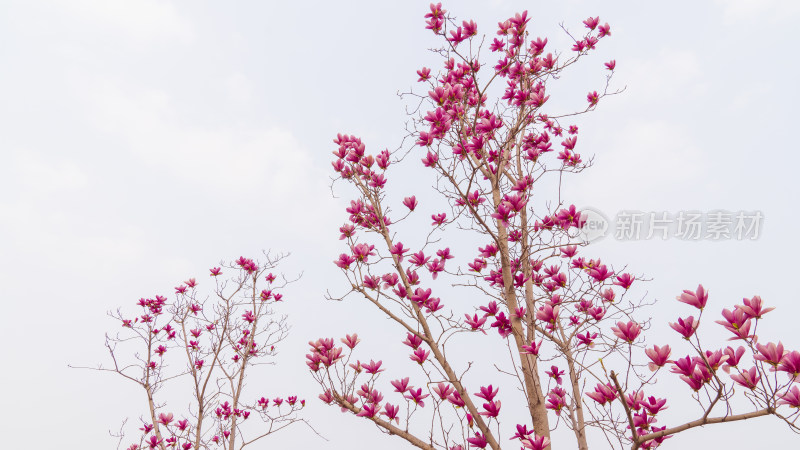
(668, 74)
(748, 10)
(142, 20)
(35, 173)
(645, 159)
(239, 88)
(268, 157)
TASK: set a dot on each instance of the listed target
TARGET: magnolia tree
(194, 352)
(577, 353)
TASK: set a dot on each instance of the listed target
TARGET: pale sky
(142, 142)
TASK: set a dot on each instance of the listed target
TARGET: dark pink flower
(603, 393)
(790, 363)
(417, 396)
(625, 280)
(771, 353)
(443, 390)
(410, 202)
(686, 327)
(478, 441)
(555, 373)
(391, 412)
(658, 355)
(438, 219)
(628, 332)
(372, 367)
(747, 378)
(753, 308)
(537, 443)
(420, 355)
(697, 299)
(791, 398)
(533, 347)
(592, 98)
(424, 74)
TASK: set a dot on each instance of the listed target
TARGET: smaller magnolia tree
(204, 347)
(576, 354)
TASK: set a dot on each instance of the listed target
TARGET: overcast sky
(142, 142)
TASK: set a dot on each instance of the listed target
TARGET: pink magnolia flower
(533, 347)
(419, 258)
(790, 363)
(417, 396)
(413, 341)
(697, 299)
(658, 355)
(248, 316)
(791, 398)
(487, 392)
(603, 393)
(443, 390)
(491, 409)
(347, 230)
(420, 355)
(686, 327)
(587, 339)
(153, 441)
(628, 332)
(625, 280)
(654, 405)
(369, 410)
(344, 261)
(733, 358)
(456, 400)
(478, 441)
(351, 340)
(424, 74)
(326, 397)
(556, 400)
(165, 419)
(362, 252)
(555, 373)
(771, 353)
(522, 432)
(397, 249)
(548, 313)
(592, 98)
(475, 322)
(604, 30)
(737, 322)
(391, 412)
(537, 443)
(591, 22)
(410, 202)
(490, 310)
(438, 219)
(600, 273)
(753, 308)
(747, 378)
(373, 367)
(569, 251)
(611, 64)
